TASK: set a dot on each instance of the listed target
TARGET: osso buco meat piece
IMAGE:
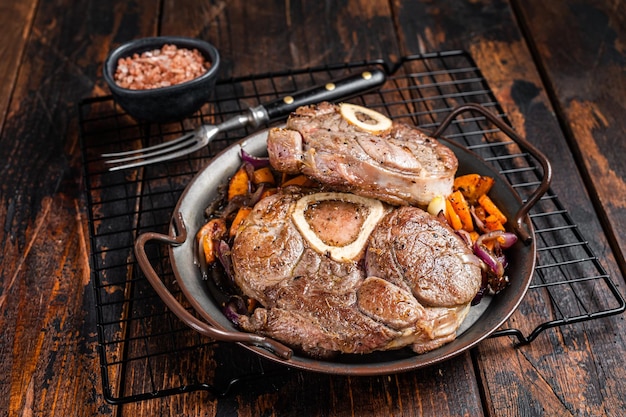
(336, 272)
(399, 165)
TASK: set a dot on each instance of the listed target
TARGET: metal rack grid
(138, 337)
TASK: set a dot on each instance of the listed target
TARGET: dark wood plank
(46, 361)
(584, 66)
(47, 347)
(584, 62)
(258, 37)
(427, 392)
(15, 23)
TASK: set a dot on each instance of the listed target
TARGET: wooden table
(557, 69)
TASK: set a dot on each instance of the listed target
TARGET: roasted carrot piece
(263, 175)
(490, 207)
(472, 186)
(209, 235)
(267, 192)
(453, 219)
(493, 223)
(460, 206)
(474, 235)
(239, 183)
(239, 218)
(252, 304)
(299, 180)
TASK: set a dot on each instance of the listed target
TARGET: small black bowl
(165, 103)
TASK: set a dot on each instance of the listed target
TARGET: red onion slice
(464, 234)
(223, 255)
(496, 261)
(255, 161)
(234, 309)
(479, 223)
(505, 239)
(489, 258)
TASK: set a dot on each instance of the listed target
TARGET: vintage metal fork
(253, 117)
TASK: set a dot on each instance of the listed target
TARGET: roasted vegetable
(263, 175)
(437, 205)
(299, 180)
(453, 219)
(255, 161)
(493, 223)
(239, 218)
(472, 186)
(490, 207)
(239, 183)
(267, 192)
(488, 247)
(209, 236)
(462, 209)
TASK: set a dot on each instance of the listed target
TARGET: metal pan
(482, 321)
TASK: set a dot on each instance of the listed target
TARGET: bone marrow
(338, 224)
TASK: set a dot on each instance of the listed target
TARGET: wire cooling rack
(140, 341)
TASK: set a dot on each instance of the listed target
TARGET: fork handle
(334, 90)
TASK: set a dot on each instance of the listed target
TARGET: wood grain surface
(557, 68)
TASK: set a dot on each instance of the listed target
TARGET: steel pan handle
(523, 234)
(181, 312)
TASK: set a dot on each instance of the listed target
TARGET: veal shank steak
(335, 272)
(400, 166)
